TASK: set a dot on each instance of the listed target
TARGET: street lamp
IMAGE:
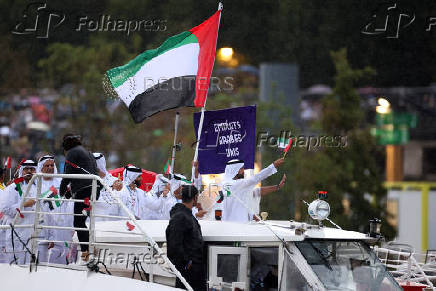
(384, 106)
(225, 54)
(383, 102)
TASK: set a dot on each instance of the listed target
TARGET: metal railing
(37, 227)
(403, 263)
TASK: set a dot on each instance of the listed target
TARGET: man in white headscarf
(131, 192)
(10, 201)
(175, 196)
(47, 165)
(109, 204)
(57, 249)
(152, 202)
(175, 184)
(239, 190)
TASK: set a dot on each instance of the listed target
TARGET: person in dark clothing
(78, 161)
(185, 241)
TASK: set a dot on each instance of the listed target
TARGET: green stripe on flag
(18, 188)
(167, 166)
(283, 142)
(45, 193)
(119, 75)
(57, 202)
(186, 181)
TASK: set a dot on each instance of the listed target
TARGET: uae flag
(176, 74)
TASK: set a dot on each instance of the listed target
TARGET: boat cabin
(267, 255)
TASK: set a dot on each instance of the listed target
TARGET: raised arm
(151, 201)
(265, 190)
(197, 177)
(265, 173)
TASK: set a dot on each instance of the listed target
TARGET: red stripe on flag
(168, 165)
(18, 180)
(8, 163)
(54, 190)
(288, 146)
(207, 34)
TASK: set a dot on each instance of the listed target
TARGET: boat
(130, 254)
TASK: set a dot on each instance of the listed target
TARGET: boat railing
(131, 221)
(407, 265)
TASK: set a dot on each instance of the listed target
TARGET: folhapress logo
(38, 20)
(388, 20)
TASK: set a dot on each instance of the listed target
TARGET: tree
(350, 174)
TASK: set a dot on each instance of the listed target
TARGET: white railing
(92, 241)
(405, 264)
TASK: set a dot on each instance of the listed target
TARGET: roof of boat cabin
(223, 231)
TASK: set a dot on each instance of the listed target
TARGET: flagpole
(200, 125)
(173, 156)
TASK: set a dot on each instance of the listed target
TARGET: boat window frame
(365, 243)
(215, 250)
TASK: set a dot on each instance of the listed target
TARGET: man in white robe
(131, 192)
(175, 185)
(109, 206)
(56, 250)
(10, 201)
(175, 195)
(239, 191)
(152, 202)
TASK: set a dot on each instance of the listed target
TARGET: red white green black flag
(176, 74)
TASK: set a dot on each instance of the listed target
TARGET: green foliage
(350, 174)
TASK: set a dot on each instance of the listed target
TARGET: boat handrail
(91, 229)
(407, 265)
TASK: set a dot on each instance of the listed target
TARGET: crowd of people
(161, 202)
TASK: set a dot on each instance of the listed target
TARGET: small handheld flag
(167, 168)
(17, 183)
(19, 212)
(19, 166)
(287, 147)
(52, 193)
(8, 163)
(220, 197)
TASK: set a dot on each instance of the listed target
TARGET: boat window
(346, 265)
(291, 277)
(263, 268)
(228, 267)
